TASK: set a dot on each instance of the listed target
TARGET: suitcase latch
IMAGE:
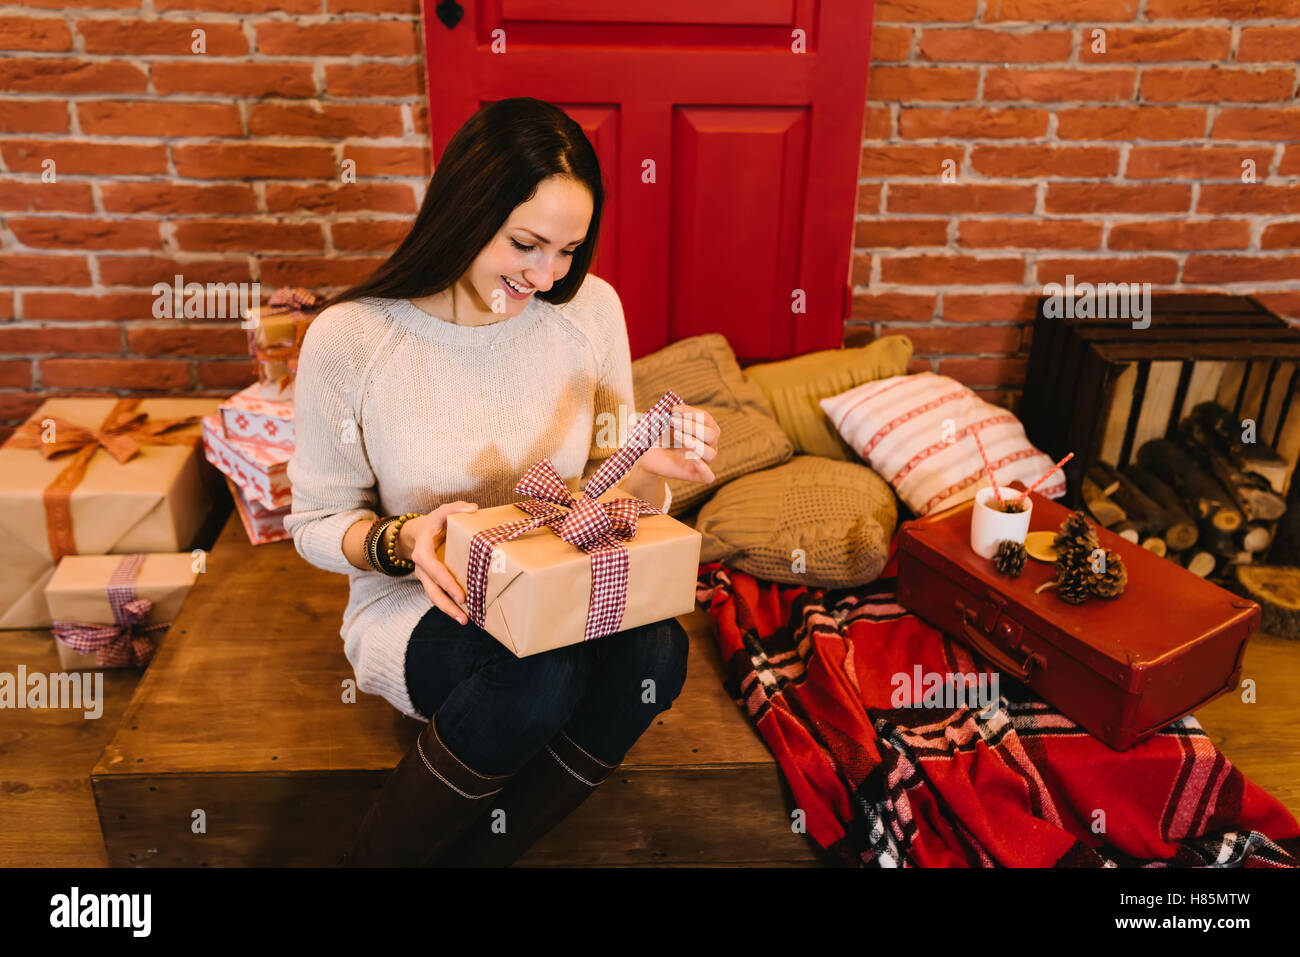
(988, 622)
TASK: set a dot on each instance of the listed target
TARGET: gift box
(247, 416)
(108, 611)
(260, 523)
(96, 476)
(260, 470)
(557, 569)
(275, 339)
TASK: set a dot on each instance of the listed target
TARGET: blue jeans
(495, 711)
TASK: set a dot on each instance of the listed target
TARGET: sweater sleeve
(332, 482)
(614, 399)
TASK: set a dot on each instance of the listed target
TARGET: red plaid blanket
(1016, 784)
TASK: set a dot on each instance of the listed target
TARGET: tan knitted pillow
(811, 521)
(793, 386)
(704, 372)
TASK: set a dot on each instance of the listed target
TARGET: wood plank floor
(220, 723)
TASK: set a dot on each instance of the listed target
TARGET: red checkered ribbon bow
(598, 528)
(126, 642)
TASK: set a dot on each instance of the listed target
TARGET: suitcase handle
(990, 651)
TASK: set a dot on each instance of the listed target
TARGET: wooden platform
(241, 716)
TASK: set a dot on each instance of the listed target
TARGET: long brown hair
(492, 164)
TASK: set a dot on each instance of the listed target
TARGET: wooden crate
(1100, 388)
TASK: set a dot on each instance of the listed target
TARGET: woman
(481, 346)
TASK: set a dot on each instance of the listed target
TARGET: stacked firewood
(1212, 502)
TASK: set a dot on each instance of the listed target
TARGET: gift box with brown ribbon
(109, 611)
(574, 568)
(97, 476)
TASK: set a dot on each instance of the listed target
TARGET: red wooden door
(754, 147)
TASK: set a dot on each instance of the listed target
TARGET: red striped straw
(989, 469)
(1025, 494)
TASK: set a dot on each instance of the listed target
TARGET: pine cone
(1010, 558)
(1074, 543)
(1112, 581)
(1074, 585)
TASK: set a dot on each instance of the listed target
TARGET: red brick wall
(1116, 166)
(224, 167)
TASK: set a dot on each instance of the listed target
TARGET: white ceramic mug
(988, 525)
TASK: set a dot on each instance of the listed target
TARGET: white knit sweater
(438, 412)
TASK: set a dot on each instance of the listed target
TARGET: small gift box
(260, 470)
(260, 523)
(248, 416)
(574, 568)
(108, 611)
(96, 476)
(275, 339)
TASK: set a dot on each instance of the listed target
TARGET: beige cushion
(703, 371)
(810, 521)
(793, 386)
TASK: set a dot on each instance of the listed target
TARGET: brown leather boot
(425, 803)
(554, 782)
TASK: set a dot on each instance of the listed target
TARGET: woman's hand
(418, 542)
(693, 443)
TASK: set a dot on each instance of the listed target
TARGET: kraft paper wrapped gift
(148, 591)
(249, 417)
(536, 591)
(260, 470)
(122, 476)
(261, 524)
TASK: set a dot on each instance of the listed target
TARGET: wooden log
(1156, 544)
(1104, 476)
(1204, 496)
(1255, 536)
(1128, 530)
(1099, 505)
(1180, 532)
(1256, 456)
(1277, 589)
(1223, 545)
(1251, 493)
(1200, 563)
(1140, 508)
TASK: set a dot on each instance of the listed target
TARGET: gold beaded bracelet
(385, 560)
(406, 565)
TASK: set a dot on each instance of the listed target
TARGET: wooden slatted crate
(1101, 388)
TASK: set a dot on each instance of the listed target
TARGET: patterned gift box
(249, 417)
(260, 470)
(261, 524)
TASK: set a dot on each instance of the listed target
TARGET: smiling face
(533, 250)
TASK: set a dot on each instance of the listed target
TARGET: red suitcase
(1123, 668)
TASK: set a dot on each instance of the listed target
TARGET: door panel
(730, 161)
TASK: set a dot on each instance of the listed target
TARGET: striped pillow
(917, 432)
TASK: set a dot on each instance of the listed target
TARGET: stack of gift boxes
(250, 437)
(103, 500)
